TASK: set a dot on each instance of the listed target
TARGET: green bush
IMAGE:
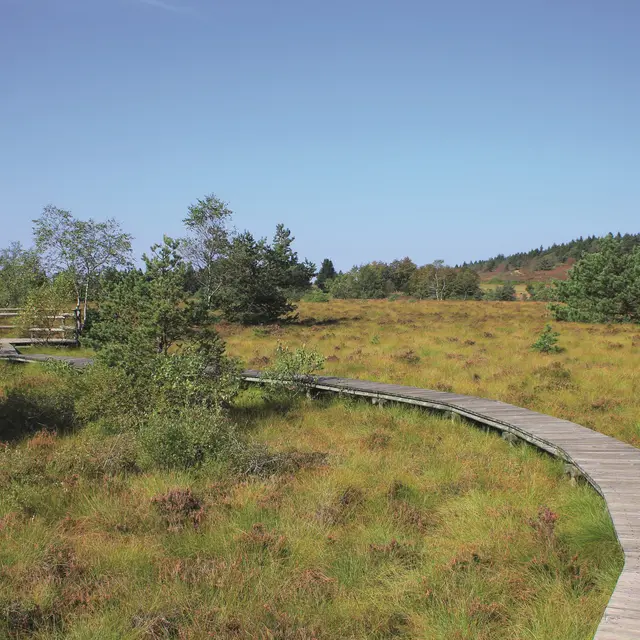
(547, 342)
(291, 373)
(198, 375)
(187, 438)
(316, 295)
(113, 399)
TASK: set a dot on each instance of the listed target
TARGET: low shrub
(187, 438)
(316, 295)
(547, 341)
(291, 373)
(178, 508)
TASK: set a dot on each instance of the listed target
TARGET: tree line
(545, 259)
(436, 281)
(215, 269)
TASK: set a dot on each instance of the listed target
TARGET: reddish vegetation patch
(559, 272)
(179, 507)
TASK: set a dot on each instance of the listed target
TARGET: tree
(542, 291)
(208, 242)
(441, 282)
(504, 293)
(20, 273)
(546, 263)
(547, 341)
(434, 280)
(602, 286)
(293, 276)
(83, 248)
(327, 272)
(251, 289)
(144, 312)
(466, 285)
(344, 286)
(400, 272)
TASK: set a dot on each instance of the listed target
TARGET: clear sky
(374, 129)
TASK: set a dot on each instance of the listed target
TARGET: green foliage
(293, 276)
(208, 241)
(546, 263)
(316, 295)
(370, 281)
(547, 258)
(142, 313)
(45, 304)
(602, 287)
(466, 285)
(503, 293)
(257, 278)
(186, 438)
(291, 372)
(197, 374)
(250, 292)
(400, 272)
(547, 341)
(20, 273)
(82, 248)
(543, 291)
(327, 272)
(380, 280)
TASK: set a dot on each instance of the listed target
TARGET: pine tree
(327, 272)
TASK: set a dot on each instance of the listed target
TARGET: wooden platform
(610, 466)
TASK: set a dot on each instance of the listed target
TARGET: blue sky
(373, 129)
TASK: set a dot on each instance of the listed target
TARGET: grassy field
(370, 523)
(366, 522)
(475, 348)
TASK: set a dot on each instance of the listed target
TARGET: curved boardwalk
(610, 466)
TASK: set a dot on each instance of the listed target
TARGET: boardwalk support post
(510, 437)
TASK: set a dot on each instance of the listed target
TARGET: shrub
(178, 507)
(505, 293)
(187, 438)
(200, 374)
(316, 295)
(291, 373)
(547, 341)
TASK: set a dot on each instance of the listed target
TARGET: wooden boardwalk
(610, 466)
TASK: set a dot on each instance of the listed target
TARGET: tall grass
(475, 348)
(368, 523)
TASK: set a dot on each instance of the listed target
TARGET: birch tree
(82, 248)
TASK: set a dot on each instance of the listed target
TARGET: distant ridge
(544, 263)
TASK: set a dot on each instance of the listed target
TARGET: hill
(542, 264)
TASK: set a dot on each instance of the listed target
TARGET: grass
(475, 348)
(520, 287)
(397, 523)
